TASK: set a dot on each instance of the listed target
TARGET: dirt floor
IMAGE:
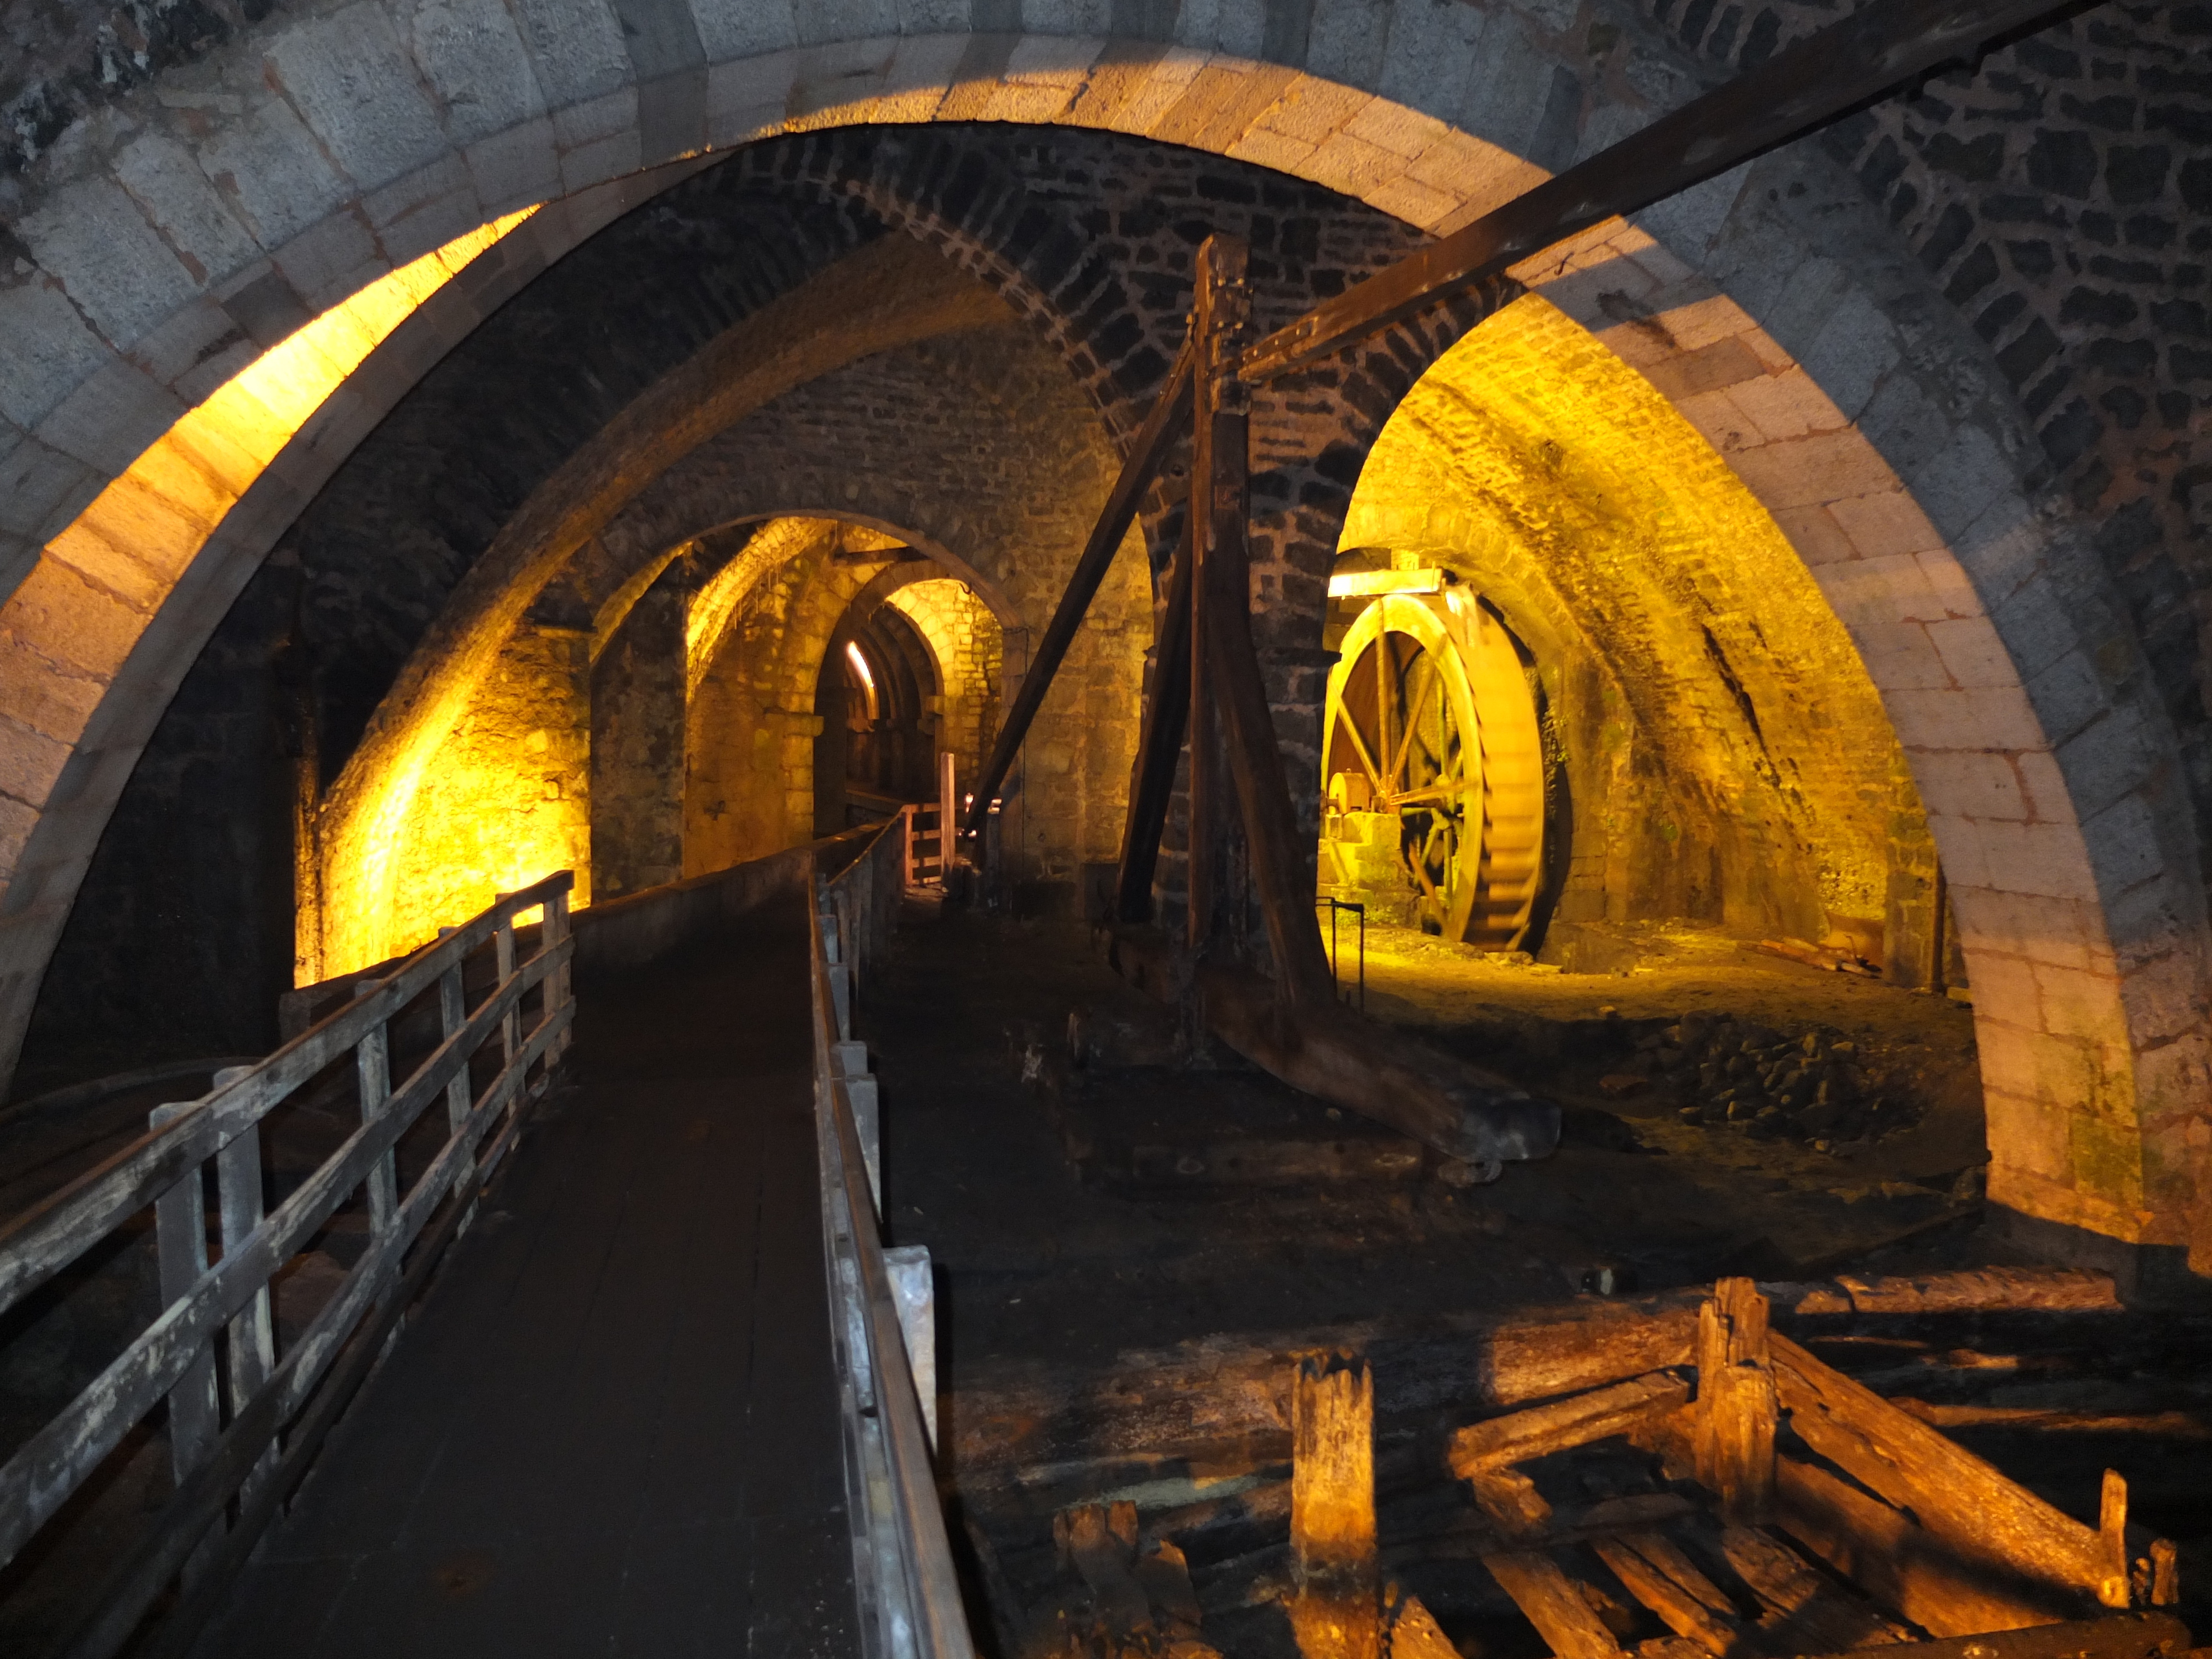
(1042, 1196)
(1093, 1197)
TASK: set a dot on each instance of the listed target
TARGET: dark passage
(611, 1428)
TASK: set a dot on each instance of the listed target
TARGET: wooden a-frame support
(1207, 691)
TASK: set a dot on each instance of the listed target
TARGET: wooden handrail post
(559, 988)
(252, 1339)
(180, 1248)
(243, 1461)
(452, 1014)
(373, 1065)
(502, 954)
(948, 813)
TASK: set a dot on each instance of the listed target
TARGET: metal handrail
(909, 1595)
(175, 1356)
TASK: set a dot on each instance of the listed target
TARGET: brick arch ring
(2006, 666)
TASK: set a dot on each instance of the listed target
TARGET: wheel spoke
(1360, 748)
(1404, 751)
(1384, 691)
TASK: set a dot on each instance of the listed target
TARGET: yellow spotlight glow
(860, 667)
(1355, 583)
(141, 531)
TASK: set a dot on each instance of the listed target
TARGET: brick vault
(817, 266)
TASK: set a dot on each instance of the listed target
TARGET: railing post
(253, 1338)
(452, 1014)
(373, 1064)
(510, 1027)
(180, 1249)
(839, 971)
(557, 993)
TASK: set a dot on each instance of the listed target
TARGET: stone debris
(1812, 1086)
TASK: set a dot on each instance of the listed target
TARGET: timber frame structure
(1742, 1494)
(1207, 691)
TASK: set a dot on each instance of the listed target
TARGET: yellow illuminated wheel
(1429, 721)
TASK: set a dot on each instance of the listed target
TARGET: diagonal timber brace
(1877, 49)
(1159, 746)
(1146, 457)
(1292, 1025)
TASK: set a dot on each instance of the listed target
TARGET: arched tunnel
(1725, 681)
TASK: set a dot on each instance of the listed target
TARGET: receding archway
(1990, 694)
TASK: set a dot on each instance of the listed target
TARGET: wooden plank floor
(611, 1429)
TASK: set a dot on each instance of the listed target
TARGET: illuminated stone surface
(1934, 489)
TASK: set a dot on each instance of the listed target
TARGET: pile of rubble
(1813, 1087)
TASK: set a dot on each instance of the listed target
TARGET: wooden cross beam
(1866, 56)
(1872, 52)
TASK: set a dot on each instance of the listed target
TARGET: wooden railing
(908, 1596)
(242, 1435)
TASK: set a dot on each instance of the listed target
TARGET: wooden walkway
(611, 1428)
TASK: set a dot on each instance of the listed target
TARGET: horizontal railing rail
(225, 1425)
(909, 1593)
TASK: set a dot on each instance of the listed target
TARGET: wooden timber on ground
(1574, 1421)
(1232, 1392)
(1333, 1053)
(1867, 1530)
(1737, 1404)
(1975, 1555)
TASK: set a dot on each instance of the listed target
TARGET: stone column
(637, 744)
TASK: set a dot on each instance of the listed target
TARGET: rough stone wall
(1734, 734)
(63, 62)
(749, 788)
(507, 800)
(977, 448)
(969, 648)
(181, 940)
(2061, 194)
(423, 496)
(637, 742)
(1544, 81)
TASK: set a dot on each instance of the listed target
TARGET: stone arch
(1997, 642)
(1721, 753)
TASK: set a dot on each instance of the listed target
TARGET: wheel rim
(1430, 719)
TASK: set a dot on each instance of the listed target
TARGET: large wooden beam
(1875, 51)
(1159, 746)
(1220, 329)
(1500, 1442)
(1333, 1053)
(1335, 1613)
(1232, 689)
(1904, 1566)
(1957, 1497)
(1146, 456)
(1736, 1402)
